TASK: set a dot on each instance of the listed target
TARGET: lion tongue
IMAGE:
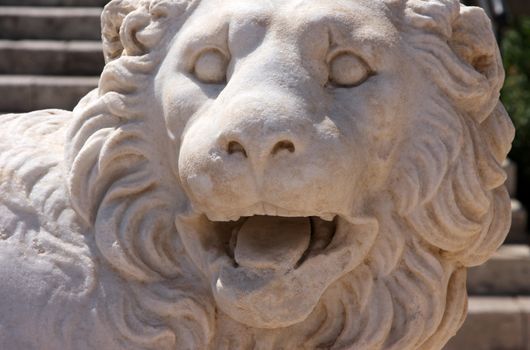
(270, 242)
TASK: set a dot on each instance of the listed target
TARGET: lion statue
(259, 175)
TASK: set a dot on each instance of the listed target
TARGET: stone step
(494, 323)
(27, 93)
(57, 23)
(518, 231)
(506, 273)
(87, 3)
(42, 57)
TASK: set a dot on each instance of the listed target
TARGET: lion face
(285, 118)
(292, 174)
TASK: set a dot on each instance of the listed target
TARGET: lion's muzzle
(258, 147)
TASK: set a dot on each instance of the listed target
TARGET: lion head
(292, 174)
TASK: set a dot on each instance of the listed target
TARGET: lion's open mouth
(276, 242)
(257, 263)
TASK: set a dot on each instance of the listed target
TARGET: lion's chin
(271, 271)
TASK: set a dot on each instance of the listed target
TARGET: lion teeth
(322, 234)
(265, 209)
(215, 217)
(327, 217)
(270, 210)
(222, 218)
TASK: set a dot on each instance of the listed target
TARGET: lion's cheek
(180, 98)
(374, 128)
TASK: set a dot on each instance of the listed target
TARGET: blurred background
(50, 56)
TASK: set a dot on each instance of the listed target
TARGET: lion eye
(210, 67)
(348, 70)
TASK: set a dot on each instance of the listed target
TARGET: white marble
(281, 174)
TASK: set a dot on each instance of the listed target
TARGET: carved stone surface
(259, 175)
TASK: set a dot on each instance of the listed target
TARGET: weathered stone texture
(272, 175)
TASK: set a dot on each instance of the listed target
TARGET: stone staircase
(50, 56)
(50, 52)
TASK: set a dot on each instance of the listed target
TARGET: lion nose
(236, 147)
(261, 133)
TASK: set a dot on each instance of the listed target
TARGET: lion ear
(117, 33)
(474, 42)
(131, 27)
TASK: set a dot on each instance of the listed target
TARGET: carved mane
(447, 208)
(119, 188)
